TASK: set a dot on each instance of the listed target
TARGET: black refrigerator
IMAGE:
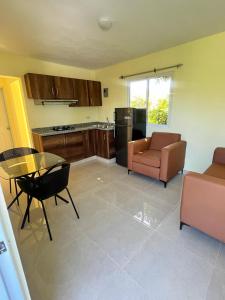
(130, 124)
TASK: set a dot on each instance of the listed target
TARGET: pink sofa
(203, 198)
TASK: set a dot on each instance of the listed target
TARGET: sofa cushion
(160, 140)
(216, 170)
(148, 157)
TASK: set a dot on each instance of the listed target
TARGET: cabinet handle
(104, 137)
(57, 92)
(52, 91)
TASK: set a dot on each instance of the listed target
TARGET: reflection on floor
(126, 245)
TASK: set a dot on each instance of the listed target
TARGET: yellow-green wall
(40, 116)
(198, 104)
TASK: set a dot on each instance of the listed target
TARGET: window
(154, 95)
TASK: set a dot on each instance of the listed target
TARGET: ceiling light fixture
(105, 23)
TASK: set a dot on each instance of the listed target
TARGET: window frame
(158, 74)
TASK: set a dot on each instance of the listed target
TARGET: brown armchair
(160, 156)
(202, 201)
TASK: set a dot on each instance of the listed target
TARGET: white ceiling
(66, 31)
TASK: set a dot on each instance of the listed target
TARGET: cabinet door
(75, 146)
(101, 143)
(40, 86)
(64, 88)
(54, 144)
(95, 93)
(111, 152)
(91, 142)
(80, 92)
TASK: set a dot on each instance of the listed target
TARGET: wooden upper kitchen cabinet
(80, 90)
(46, 87)
(39, 86)
(63, 88)
(95, 93)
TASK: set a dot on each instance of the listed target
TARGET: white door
(12, 279)
(5, 133)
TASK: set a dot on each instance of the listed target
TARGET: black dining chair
(50, 184)
(13, 153)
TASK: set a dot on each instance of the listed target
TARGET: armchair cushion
(216, 170)
(148, 157)
(160, 140)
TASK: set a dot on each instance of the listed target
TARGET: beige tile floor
(126, 245)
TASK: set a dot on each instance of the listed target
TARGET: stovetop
(62, 128)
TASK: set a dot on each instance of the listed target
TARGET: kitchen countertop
(45, 131)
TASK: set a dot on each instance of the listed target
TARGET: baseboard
(94, 157)
(82, 161)
(105, 160)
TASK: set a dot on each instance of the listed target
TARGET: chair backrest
(46, 185)
(163, 139)
(16, 152)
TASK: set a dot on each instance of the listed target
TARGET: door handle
(2, 247)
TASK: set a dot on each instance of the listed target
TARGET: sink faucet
(107, 120)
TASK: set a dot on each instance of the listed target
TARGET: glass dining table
(28, 165)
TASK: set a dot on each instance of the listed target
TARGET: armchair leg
(182, 224)
(165, 183)
(72, 203)
(56, 200)
(46, 220)
(128, 171)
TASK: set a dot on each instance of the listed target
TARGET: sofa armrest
(135, 147)
(172, 160)
(219, 155)
(203, 204)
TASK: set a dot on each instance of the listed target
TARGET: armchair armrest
(135, 147)
(219, 155)
(172, 160)
(203, 204)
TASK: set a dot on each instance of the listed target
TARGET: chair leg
(10, 186)
(46, 220)
(72, 203)
(56, 200)
(16, 192)
(14, 200)
(61, 198)
(27, 212)
(128, 171)
(28, 215)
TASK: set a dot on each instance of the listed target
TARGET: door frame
(13, 275)
(6, 115)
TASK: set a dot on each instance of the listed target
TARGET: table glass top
(28, 164)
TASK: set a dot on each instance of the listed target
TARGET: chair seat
(148, 157)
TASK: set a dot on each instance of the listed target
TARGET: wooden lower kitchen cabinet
(78, 145)
(105, 143)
